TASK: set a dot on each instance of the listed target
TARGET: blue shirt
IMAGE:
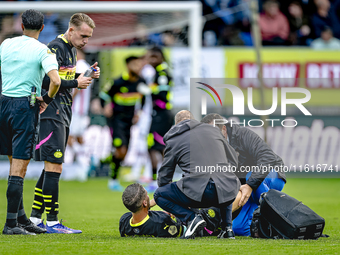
(24, 62)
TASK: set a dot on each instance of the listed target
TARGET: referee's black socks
(51, 193)
(22, 218)
(14, 196)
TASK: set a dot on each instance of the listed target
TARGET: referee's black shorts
(52, 142)
(18, 127)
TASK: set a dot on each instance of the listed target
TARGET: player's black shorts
(52, 142)
(18, 127)
(121, 131)
(162, 121)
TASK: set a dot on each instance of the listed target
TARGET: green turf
(91, 207)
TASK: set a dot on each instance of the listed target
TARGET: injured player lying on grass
(141, 221)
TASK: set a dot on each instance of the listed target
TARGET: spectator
(299, 24)
(7, 28)
(326, 41)
(273, 24)
(326, 15)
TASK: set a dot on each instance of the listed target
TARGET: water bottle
(89, 72)
(33, 97)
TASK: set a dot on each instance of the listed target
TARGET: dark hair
(131, 58)
(133, 197)
(158, 50)
(326, 29)
(32, 19)
(209, 118)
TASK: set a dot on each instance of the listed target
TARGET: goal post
(113, 14)
(194, 9)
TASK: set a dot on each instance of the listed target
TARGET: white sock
(51, 223)
(35, 220)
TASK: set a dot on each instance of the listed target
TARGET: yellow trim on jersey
(161, 67)
(127, 99)
(37, 189)
(125, 76)
(67, 73)
(139, 223)
(62, 38)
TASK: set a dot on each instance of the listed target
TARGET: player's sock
(14, 196)
(154, 173)
(22, 218)
(52, 223)
(115, 167)
(35, 220)
(38, 202)
(50, 193)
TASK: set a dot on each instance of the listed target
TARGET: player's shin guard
(14, 196)
(38, 202)
(50, 194)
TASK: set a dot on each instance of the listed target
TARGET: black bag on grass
(282, 216)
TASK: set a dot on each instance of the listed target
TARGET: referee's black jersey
(124, 95)
(156, 224)
(60, 108)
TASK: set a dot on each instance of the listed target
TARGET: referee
(23, 62)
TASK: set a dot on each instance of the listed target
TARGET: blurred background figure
(299, 24)
(53, 25)
(326, 15)
(162, 117)
(123, 95)
(326, 41)
(273, 24)
(80, 118)
(8, 27)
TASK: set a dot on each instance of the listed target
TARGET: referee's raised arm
(24, 62)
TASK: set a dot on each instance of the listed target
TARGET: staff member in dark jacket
(206, 159)
(259, 169)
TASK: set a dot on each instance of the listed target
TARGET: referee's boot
(226, 233)
(31, 227)
(194, 227)
(17, 230)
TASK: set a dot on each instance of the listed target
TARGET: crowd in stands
(282, 22)
(314, 23)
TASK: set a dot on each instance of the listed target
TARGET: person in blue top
(24, 61)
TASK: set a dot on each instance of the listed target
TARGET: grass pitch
(94, 209)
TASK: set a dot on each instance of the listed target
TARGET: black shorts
(18, 127)
(52, 142)
(121, 131)
(162, 121)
